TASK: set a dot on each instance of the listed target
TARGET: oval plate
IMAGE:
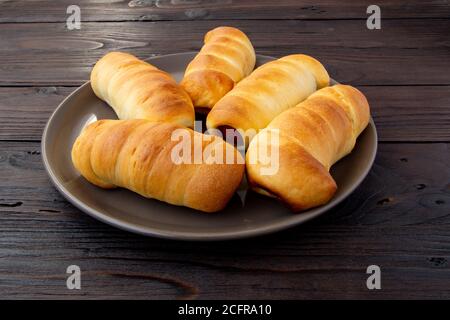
(129, 211)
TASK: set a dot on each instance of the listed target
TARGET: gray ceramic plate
(129, 211)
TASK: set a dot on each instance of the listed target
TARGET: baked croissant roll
(268, 91)
(225, 59)
(137, 90)
(142, 156)
(303, 143)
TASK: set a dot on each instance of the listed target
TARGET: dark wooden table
(398, 219)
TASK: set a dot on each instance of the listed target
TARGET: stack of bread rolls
(316, 125)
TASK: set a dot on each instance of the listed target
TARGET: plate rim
(296, 219)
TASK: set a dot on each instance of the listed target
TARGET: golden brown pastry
(268, 91)
(139, 155)
(225, 59)
(312, 137)
(137, 90)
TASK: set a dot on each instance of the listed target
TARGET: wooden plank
(410, 113)
(403, 52)
(412, 174)
(397, 219)
(287, 266)
(150, 10)
(25, 111)
(401, 113)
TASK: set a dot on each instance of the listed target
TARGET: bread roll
(268, 91)
(311, 137)
(139, 155)
(225, 59)
(137, 90)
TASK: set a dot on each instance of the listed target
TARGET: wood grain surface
(404, 227)
(406, 52)
(160, 10)
(399, 218)
(398, 111)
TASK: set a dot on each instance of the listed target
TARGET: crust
(301, 181)
(268, 91)
(136, 89)
(136, 154)
(312, 137)
(225, 59)
(206, 87)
